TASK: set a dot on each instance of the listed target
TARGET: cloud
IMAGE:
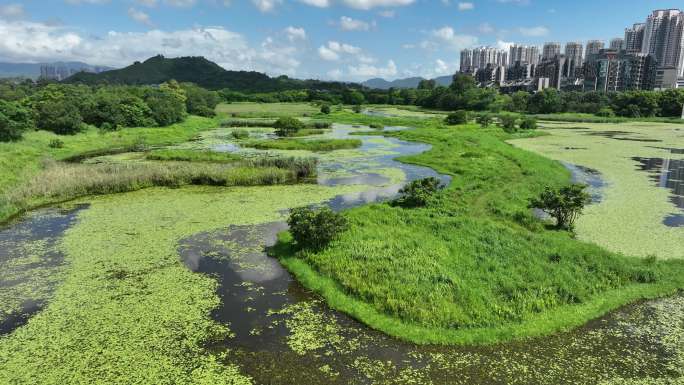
(447, 36)
(504, 45)
(76, 2)
(317, 3)
(12, 11)
(359, 4)
(368, 71)
(349, 24)
(295, 33)
(388, 14)
(533, 31)
(485, 28)
(181, 3)
(466, 6)
(326, 53)
(517, 2)
(368, 4)
(139, 16)
(147, 3)
(334, 49)
(25, 41)
(266, 5)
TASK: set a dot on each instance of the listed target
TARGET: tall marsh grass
(65, 181)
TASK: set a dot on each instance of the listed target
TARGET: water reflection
(31, 262)
(667, 173)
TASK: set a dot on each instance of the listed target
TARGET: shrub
(484, 120)
(240, 134)
(357, 108)
(59, 117)
(418, 192)
(457, 117)
(14, 120)
(377, 126)
(529, 123)
(564, 204)
(56, 143)
(325, 109)
(315, 228)
(507, 122)
(320, 125)
(287, 126)
(605, 112)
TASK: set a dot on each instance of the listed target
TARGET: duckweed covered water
(636, 215)
(155, 321)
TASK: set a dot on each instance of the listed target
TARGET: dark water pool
(31, 263)
(669, 174)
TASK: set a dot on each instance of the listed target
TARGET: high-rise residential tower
(466, 60)
(593, 48)
(532, 55)
(634, 37)
(551, 50)
(664, 39)
(617, 44)
(573, 56)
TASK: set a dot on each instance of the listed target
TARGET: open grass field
(314, 145)
(266, 110)
(475, 266)
(629, 218)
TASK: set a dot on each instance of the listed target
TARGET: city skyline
(304, 38)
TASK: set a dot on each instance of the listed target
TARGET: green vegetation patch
(306, 145)
(192, 156)
(270, 110)
(474, 265)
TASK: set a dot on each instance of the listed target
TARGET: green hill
(202, 72)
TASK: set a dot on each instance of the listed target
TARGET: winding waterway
(284, 334)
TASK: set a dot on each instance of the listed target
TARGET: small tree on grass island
(564, 204)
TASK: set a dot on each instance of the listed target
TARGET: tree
(353, 97)
(519, 101)
(167, 104)
(508, 122)
(427, 84)
(528, 123)
(457, 117)
(357, 108)
(315, 228)
(60, 117)
(200, 101)
(547, 101)
(418, 193)
(564, 204)
(287, 126)
(14, 120)
(484, 120)
(671, 102)
(462, 83)
(325, 109)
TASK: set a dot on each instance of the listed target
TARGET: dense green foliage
(302, 144)
(457, 117)
(563, 204)
(287, 126)
(315, 228)
(325, 109)
(418, 192)
(474, 264)
(204, 73)
(14, 121)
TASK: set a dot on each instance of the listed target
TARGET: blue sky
(328, 39)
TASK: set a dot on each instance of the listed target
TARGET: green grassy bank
(306, 145)
(474, 266)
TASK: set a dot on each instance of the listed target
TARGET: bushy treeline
(464, 94)
(66, 108)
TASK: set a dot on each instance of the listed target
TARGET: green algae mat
(635, 203)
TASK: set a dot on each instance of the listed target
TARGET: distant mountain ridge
(202, 72)
(32, 70)
(411, 82)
